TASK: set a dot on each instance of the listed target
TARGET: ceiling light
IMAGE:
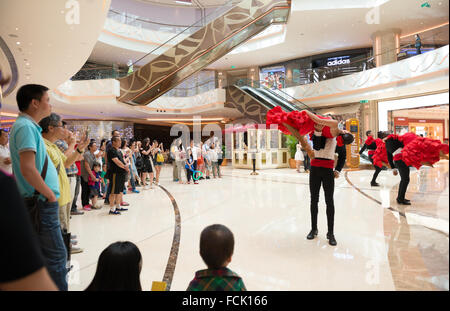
(185, 2)
(18, 43)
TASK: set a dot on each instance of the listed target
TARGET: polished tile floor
(381, 246)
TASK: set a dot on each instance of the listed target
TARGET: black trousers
(403, 169)
(77, 192)
(190, 174)
(377, 170)
(84, 192)
(317, 177)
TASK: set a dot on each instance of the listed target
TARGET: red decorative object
(297, 119)
(423, 150)
(380, 155)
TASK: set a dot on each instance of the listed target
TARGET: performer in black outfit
(371, 145)
(393, 148)
(322, 167)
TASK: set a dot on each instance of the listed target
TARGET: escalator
(218, 37)
(269, 98)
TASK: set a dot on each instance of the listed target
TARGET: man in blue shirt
(28, 155)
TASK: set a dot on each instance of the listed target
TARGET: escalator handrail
(258, 82)
(258, 97)
(264, 99)
(228, 4)
(285, 102)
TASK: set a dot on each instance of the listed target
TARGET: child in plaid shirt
(216, 250)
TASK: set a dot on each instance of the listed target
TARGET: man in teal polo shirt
(28, 154)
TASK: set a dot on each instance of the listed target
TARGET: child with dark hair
(94, 186)
(118, 269)
(216, 250)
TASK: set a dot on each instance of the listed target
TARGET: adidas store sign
(337, 62)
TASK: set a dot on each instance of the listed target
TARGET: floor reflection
(417, 235)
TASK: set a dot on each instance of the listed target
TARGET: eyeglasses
(57, 125)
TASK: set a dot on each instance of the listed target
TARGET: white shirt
(99, 160)
(5, 153)
(177, 152)
(212, 154)
(205, 153)
(329, 150)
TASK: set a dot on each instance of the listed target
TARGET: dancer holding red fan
(372, 144)
(323, 134)
(411, 150)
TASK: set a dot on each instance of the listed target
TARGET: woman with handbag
(158, 158)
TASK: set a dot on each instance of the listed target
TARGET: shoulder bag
(32, 203)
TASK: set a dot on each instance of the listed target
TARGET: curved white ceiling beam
(50, 40)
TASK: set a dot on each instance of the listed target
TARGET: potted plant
(291, 143)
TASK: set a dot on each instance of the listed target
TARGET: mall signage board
(273, 77)
(338, 61)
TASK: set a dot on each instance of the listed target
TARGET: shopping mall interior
(214, 71)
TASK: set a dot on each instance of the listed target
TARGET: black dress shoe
(374, 184)
(404, 202)
(331, 239)
(312, 234)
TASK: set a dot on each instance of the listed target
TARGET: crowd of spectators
(42, 170)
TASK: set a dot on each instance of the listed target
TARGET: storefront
(423, 115)
(316, 68)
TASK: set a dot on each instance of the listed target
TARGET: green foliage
(291, 143)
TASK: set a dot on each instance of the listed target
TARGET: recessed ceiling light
(185, 2)
(18, 43)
